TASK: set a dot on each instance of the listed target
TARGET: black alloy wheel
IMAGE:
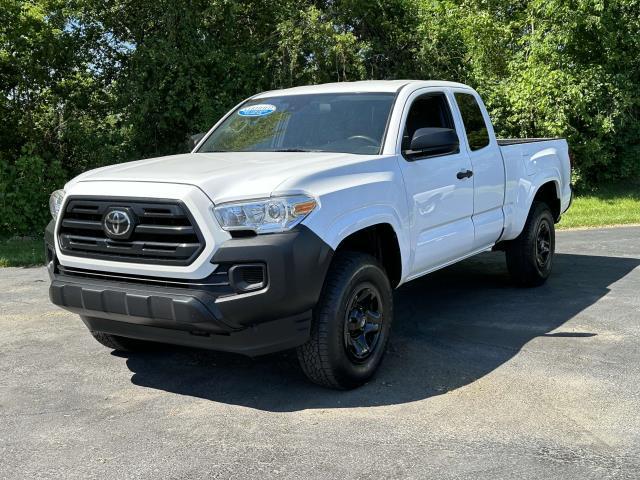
(543, 244)
(363, 323)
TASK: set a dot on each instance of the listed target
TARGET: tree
(87, 83)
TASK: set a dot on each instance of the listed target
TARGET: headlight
(55, 203)
(269, 215)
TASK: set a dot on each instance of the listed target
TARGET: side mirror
(194, 139)
(434, 141)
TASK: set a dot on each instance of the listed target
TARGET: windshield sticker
(257, 110)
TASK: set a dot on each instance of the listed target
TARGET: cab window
(474, 124)
(429, 110)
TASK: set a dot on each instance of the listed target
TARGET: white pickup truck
(295, 216)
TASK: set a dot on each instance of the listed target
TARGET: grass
(21, 252)
(606, 206)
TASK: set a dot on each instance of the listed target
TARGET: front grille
(164, 232)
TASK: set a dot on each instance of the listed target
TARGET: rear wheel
(351, 323)
(122, 344)
(530, 256)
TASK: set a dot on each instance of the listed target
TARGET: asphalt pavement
(481, 381)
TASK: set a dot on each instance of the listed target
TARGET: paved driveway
(482, 380)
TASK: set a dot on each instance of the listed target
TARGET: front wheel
(351, 323)
(530, 255)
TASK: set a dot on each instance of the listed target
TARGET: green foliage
(85, 83)
(21, 252)
(26, 186)
(313, 49)
(573, 74)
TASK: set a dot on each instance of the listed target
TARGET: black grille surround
(165, 232)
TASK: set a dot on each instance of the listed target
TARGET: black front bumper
(207, 313)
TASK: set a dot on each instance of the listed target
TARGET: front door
(439, 188)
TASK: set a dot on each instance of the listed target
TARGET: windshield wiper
(294, 150)
(250, 151)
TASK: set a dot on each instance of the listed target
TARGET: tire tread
(313, 356)
(518, 254)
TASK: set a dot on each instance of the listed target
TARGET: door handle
(464, 174)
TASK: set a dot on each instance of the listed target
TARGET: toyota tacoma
(296, 215)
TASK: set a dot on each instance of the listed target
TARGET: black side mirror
(194, 139)
(433, 141)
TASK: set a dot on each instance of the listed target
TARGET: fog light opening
(248, 277)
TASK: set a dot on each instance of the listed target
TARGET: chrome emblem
(117, 223)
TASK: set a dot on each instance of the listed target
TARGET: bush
(25, 186)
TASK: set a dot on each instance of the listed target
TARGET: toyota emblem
(117, 224)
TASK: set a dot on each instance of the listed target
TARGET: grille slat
(165, 229)
(165, 232)
(162, 212)
(82, 224)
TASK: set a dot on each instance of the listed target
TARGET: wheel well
(548, 194)
(381, 242)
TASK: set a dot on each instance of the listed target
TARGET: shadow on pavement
(451, 328)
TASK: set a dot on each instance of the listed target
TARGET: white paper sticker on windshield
(257, 110)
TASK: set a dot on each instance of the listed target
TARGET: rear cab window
(474, 124)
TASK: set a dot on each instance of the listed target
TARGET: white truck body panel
(527, 167)
(438, 218)
(440, 205)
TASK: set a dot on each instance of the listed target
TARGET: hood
(225, 176)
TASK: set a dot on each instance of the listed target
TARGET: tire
(530, 255)
(122, 344)
(351, 323)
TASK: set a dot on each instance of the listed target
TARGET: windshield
(335, 122)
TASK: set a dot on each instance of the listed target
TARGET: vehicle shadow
(451, 328)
